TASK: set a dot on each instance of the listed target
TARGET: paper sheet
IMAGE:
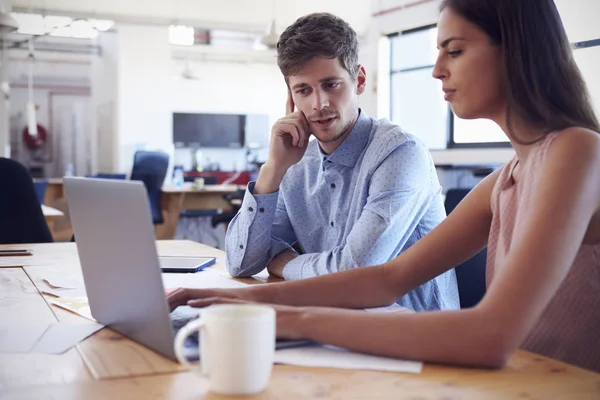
(44, 338)
(335, 357)
(20, 338)
(61, 337)
(66, 282)
(65, 292)
(77, 305)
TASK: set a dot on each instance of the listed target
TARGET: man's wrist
(269, 179)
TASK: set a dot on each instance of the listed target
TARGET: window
(417, 102)
(416, 99)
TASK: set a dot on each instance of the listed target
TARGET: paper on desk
(70, 293)
(77, 305)
(336, 357)
(20, 338)
(59, 338)
(44, 338)
(65, 282)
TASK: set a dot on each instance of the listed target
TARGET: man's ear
(361, 80)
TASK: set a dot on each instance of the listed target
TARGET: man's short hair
(317, 35)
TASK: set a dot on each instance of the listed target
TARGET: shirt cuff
(293, 270)
(259, 207)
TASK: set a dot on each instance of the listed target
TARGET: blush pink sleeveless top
(569, 328)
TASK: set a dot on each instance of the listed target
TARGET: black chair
(107, 176)
(21, 216)
(151, 167)
(235, 201)
(470, 275)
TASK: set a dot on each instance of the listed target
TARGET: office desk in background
(50, 214)
(173, 201)
(110, 366)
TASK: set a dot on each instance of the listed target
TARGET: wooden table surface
(109, 366)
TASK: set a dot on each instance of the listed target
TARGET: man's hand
(279, 262)
(289, 140)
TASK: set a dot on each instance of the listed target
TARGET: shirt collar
(351, 148)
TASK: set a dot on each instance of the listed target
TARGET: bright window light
(102, 25)
(79, 30)
(60, 26)
(181, 35)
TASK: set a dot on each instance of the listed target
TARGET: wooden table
(110, 366)
(50, 214)
(173, 201)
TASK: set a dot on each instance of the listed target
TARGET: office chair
(20, 211)
(470, 275)
(107, 176)
(151, 167)
(40, 189)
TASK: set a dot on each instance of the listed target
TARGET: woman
(508, 61)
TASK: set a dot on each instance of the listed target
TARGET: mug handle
(183, 333)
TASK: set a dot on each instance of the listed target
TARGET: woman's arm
(542, 252)
(443, 248)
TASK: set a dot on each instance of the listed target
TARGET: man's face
(327, 95)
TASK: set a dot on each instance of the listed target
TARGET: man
(358, 195)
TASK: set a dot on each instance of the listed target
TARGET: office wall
(151, 88)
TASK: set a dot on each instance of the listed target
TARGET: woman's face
(470, 68)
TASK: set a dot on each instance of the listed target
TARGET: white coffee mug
(237, 347)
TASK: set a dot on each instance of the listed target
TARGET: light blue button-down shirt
(365, 203)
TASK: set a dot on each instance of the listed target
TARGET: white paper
(44, 338)
(65, 292)
(77, 305)
(205, 279)
(335, 357)
(66, 282)
(19, 338)
(59, 338)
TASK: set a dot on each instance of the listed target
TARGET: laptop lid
(116, 245)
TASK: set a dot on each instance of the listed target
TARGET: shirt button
(331, 223)
(250, 209)
(333, 185)
(261, 209)
(241, 246)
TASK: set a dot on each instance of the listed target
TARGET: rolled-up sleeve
(259, 232)
(401, 190)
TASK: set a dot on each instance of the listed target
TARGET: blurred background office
(87, 84)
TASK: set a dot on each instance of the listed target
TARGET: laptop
(120, 264)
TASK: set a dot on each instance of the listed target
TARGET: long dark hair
(544, 86)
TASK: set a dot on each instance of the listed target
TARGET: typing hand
(183, 296)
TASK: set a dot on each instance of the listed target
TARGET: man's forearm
(269, 179)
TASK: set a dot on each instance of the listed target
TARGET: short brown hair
(317, 35)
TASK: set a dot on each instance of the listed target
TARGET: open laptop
(121, 269)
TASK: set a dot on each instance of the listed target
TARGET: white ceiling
(227, 14)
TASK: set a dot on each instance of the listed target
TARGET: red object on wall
(37, 141)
